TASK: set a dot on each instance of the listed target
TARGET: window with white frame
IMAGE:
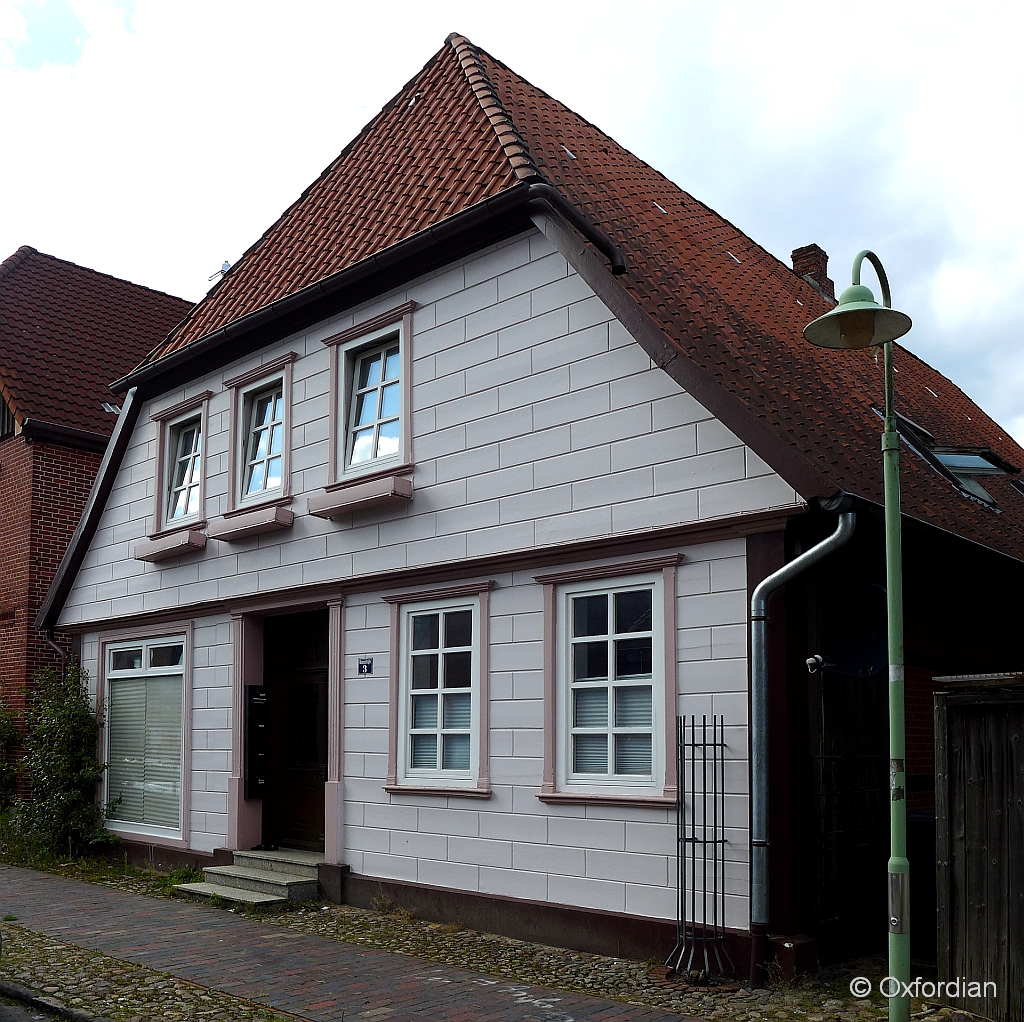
(185, 469)
(612, 686)
(374, 433)
(439, 714)
(263, 469)
(145, 693)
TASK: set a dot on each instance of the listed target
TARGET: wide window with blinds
(612, 684)
(145, 714)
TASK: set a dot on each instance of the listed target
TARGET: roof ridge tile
(509, 136)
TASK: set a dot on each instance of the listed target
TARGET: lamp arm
(879, 270)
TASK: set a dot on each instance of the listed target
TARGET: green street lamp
(857, 322)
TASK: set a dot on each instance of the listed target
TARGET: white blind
(144, 724)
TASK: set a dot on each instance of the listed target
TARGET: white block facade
(536, 421)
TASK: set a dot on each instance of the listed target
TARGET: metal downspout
(759, 729)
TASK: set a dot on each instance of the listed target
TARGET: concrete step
(293, 861)
(280, 885)
(231, 895)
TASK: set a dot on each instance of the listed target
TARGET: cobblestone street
(210, 952)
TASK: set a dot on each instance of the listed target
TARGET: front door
(295, 678)
(305, 759)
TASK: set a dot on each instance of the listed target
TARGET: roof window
(960, 465)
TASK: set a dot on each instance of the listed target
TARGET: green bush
(9, 740)
(62, 816)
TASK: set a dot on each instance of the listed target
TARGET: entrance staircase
(267, 879)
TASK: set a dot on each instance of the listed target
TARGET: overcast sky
(153, 140)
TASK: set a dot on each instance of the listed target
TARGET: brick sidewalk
(312, 977)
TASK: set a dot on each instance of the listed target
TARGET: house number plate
(366, 665)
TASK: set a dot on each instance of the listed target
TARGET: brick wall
(43, 489)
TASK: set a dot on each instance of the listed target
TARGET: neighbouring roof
(467, 129)
(66, 332)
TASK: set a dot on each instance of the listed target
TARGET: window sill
(361, 495)
(586, 798)
(185, 541)
(247, 507)
(171, 530)
(419, 789)
(354, 478)
(253, 523)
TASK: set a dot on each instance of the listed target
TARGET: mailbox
(255, 741)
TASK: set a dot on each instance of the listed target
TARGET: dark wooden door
(295, 679)
(980, 846)
(305, 760)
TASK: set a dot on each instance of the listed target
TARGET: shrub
(61, 731)
(9, 740)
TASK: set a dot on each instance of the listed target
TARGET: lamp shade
(858, 321)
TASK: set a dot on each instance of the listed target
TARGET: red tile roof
(67, 331)
(467, 128)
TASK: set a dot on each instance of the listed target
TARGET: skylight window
(960, 465)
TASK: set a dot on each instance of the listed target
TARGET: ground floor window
(611, 698)
(144, 725)
(440, 690)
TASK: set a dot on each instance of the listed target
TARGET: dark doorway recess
(295, 657)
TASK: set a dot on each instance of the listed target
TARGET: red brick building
(65, 332)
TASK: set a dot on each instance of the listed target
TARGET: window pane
(633, 706)
(590, 661)
(180, 504)
(369, 371)
(273, 474)
(590, 615)
(590, 754)
(279, 406)
(458, 670)
(263, 409)
(424, 671)
(458, 628)
(391, 368)
(590, 707)
(162, 791)
(387, 444)
(366, 408)
(633, 754)
(276, 432)
(633, 611)
(193, 500)
(166, 656)
(179, 472)
(424, 751)
(425, 631)
(126, 748)
(126, 659)
(186, 441)
(457, 709)
(389, 400)
(362, 446)
(632, 657)
(259, 444)
(424, 712)
(256, 478)
(456, 752)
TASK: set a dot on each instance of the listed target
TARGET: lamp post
(859, 322)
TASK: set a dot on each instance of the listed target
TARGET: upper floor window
(370, 392)
(376, 418)
(185, 469)
(7, 423)
(260, 443)
(265, 446)
(180, 485)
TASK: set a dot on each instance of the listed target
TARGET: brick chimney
(811, 263)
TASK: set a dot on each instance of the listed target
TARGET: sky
(154, 140)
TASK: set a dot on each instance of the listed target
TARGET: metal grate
(700, 847)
